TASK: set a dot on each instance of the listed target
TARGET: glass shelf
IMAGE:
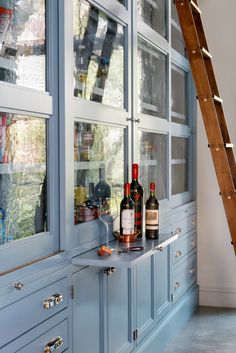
(22, 168)
(128, 259)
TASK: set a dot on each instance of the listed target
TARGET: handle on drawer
(53, 345)
(192, 271)
(178, 231)
(50, 302)
(178, 253)
(177, 285)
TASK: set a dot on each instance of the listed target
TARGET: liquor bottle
(137, 196)
(102, 190)
(152, 215)
(127, 212)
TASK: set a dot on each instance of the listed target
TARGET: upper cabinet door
(23, 43)
(28, 133)
(153, 13)
(99, 43)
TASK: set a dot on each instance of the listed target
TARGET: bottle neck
(135, 172)
(152, 193)
(102, 173)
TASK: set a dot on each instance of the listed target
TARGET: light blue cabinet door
(119, 312)
(162, 291)
(145, 314)
(87, 311)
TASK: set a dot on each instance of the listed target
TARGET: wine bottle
(137, 196)
(152, 215)
(102, 190)
(127, 212)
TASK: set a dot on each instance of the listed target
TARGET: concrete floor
(210, 330)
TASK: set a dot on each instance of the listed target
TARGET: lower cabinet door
(145, 313)
(87, 311)
(119, 311)
(162, 290)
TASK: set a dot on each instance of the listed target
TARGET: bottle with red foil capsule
(127, 212)
(137, 196)
(152, 215)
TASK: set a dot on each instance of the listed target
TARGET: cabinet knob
(19, 285)
(178, 230)
(53, 345)
(178, 253)
(50, 302)
(160, 248)
(192, 271)
(177, 285)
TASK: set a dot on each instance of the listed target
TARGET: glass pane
(153, 13)
(153, 162)
(152, 80)
(174, 14)
(177, 39)
(179, 170)
(178, 95)
(99, 169)
(99, 56)
(23, 188)
(22, 42)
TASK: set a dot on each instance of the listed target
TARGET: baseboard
(171, 324)
(219, 297)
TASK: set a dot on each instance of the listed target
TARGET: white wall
(216, 259)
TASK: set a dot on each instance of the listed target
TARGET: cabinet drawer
(184, 276)
(185, 225)
(55, 340)
(32, 310)
(183, 246)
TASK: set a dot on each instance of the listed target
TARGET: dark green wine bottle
(152, 215)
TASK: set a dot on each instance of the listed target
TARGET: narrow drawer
(183, 246)
(55, 340)
(32, 310)
(184, 276)
(185, 225)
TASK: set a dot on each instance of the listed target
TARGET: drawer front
(32, 310)
(184, 276)
(184, 210)
(185, 225)
(55, 340)
(183, 246)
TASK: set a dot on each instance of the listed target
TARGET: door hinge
(72, 292)
(135, 334)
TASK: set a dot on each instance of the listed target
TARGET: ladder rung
(195, 8)
(206, 53)
(217, 99)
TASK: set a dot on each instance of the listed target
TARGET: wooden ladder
(211, 107)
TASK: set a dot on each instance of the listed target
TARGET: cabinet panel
(162, 283)
(35, 307)
(87, 311)
(183, 246)
(145, 297)
(119, 312)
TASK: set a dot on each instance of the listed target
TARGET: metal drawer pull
(178, 230)
(50, 302)
(177, 285)
(53, 345)
(192, 271)
(19, 285)
(178, 253)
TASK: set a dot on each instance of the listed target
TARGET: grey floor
(210, 330)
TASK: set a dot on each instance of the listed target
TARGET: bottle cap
(152, 187)
(135, 171)
(127, 189)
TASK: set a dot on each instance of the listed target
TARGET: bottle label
(152, 219)
(127, 221)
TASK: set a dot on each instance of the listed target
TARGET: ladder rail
(211, 108)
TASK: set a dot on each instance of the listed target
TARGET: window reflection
(153, 13)
(151, 80)
(179, 95)
(22, 42)
(153, 162)
(99, 56)
(99, 170)
(23, 184)
(180, 167)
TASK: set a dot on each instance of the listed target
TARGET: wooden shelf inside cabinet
(9, 168)
(149, 163)
(124, 260)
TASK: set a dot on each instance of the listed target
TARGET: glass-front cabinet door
(28, 134)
